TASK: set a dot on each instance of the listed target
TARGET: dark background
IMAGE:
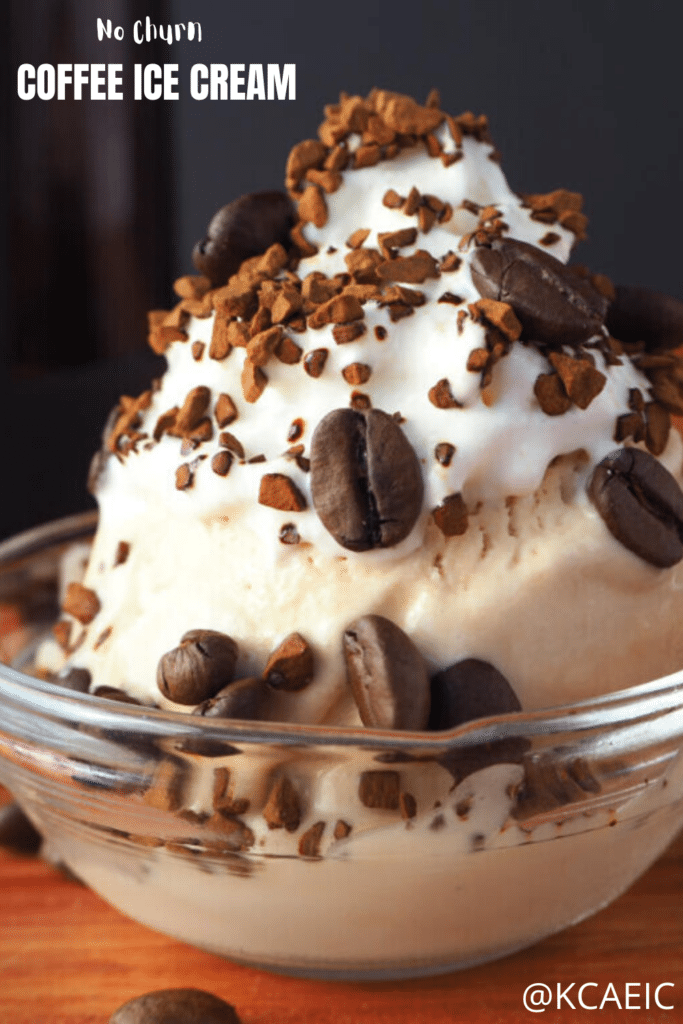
(102, 201)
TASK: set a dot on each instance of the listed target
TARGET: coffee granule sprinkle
(444, 452)
(380, 332)
(229, 441)
(442, 397)
(344, 333)
(279, 491)
(314, 362)
(296, 429)
(342, 829)
(454, 300)
(103, 637)
(221, 463)
(289, 534)
(197, 350)
(356, 240)
(357, 373)
(393, 200)
(122, 552)
(184, 478)
(450, 263)
(81, 602)
(360, 401)
(309, 843)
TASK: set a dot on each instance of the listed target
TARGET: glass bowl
(330, 852)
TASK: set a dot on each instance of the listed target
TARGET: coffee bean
(16, 831)
(198, 668)
(641, 315)
(77, 679)
(387, 674)
(114, 693)
(553, 304)
(641, 504)
(468, 690)
(246, 227)
(366, 481)
(245, 699)
(176, 1006)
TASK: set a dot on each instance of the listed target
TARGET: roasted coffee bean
(641, 315)
(246, 227)
(553, 304)
(387, 674)
(641, 504)
(244, 699)
(366, 481)
(468, 690)
(16, 831)
(176, 1006)
(198, 668)
(77, 679)
(114, 693)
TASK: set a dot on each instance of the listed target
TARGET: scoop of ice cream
(399, 415)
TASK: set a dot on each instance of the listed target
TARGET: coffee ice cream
(388, 395)
(408, 469)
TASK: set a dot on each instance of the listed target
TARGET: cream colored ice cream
(423, 337)
(524, 570)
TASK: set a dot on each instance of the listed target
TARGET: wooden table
(66, 957)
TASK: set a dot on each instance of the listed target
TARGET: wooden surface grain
(66, 957)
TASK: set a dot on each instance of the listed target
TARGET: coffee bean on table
(175, 1006)
(387, 674)
(244, 228)
(641, 504)
(366, 480)
(642, 315)
(198, 668)
(468, 690)
(16, 831)
(553, 304)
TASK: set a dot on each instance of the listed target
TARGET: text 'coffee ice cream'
(405, 467)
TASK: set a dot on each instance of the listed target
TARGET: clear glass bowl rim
(33, 696)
